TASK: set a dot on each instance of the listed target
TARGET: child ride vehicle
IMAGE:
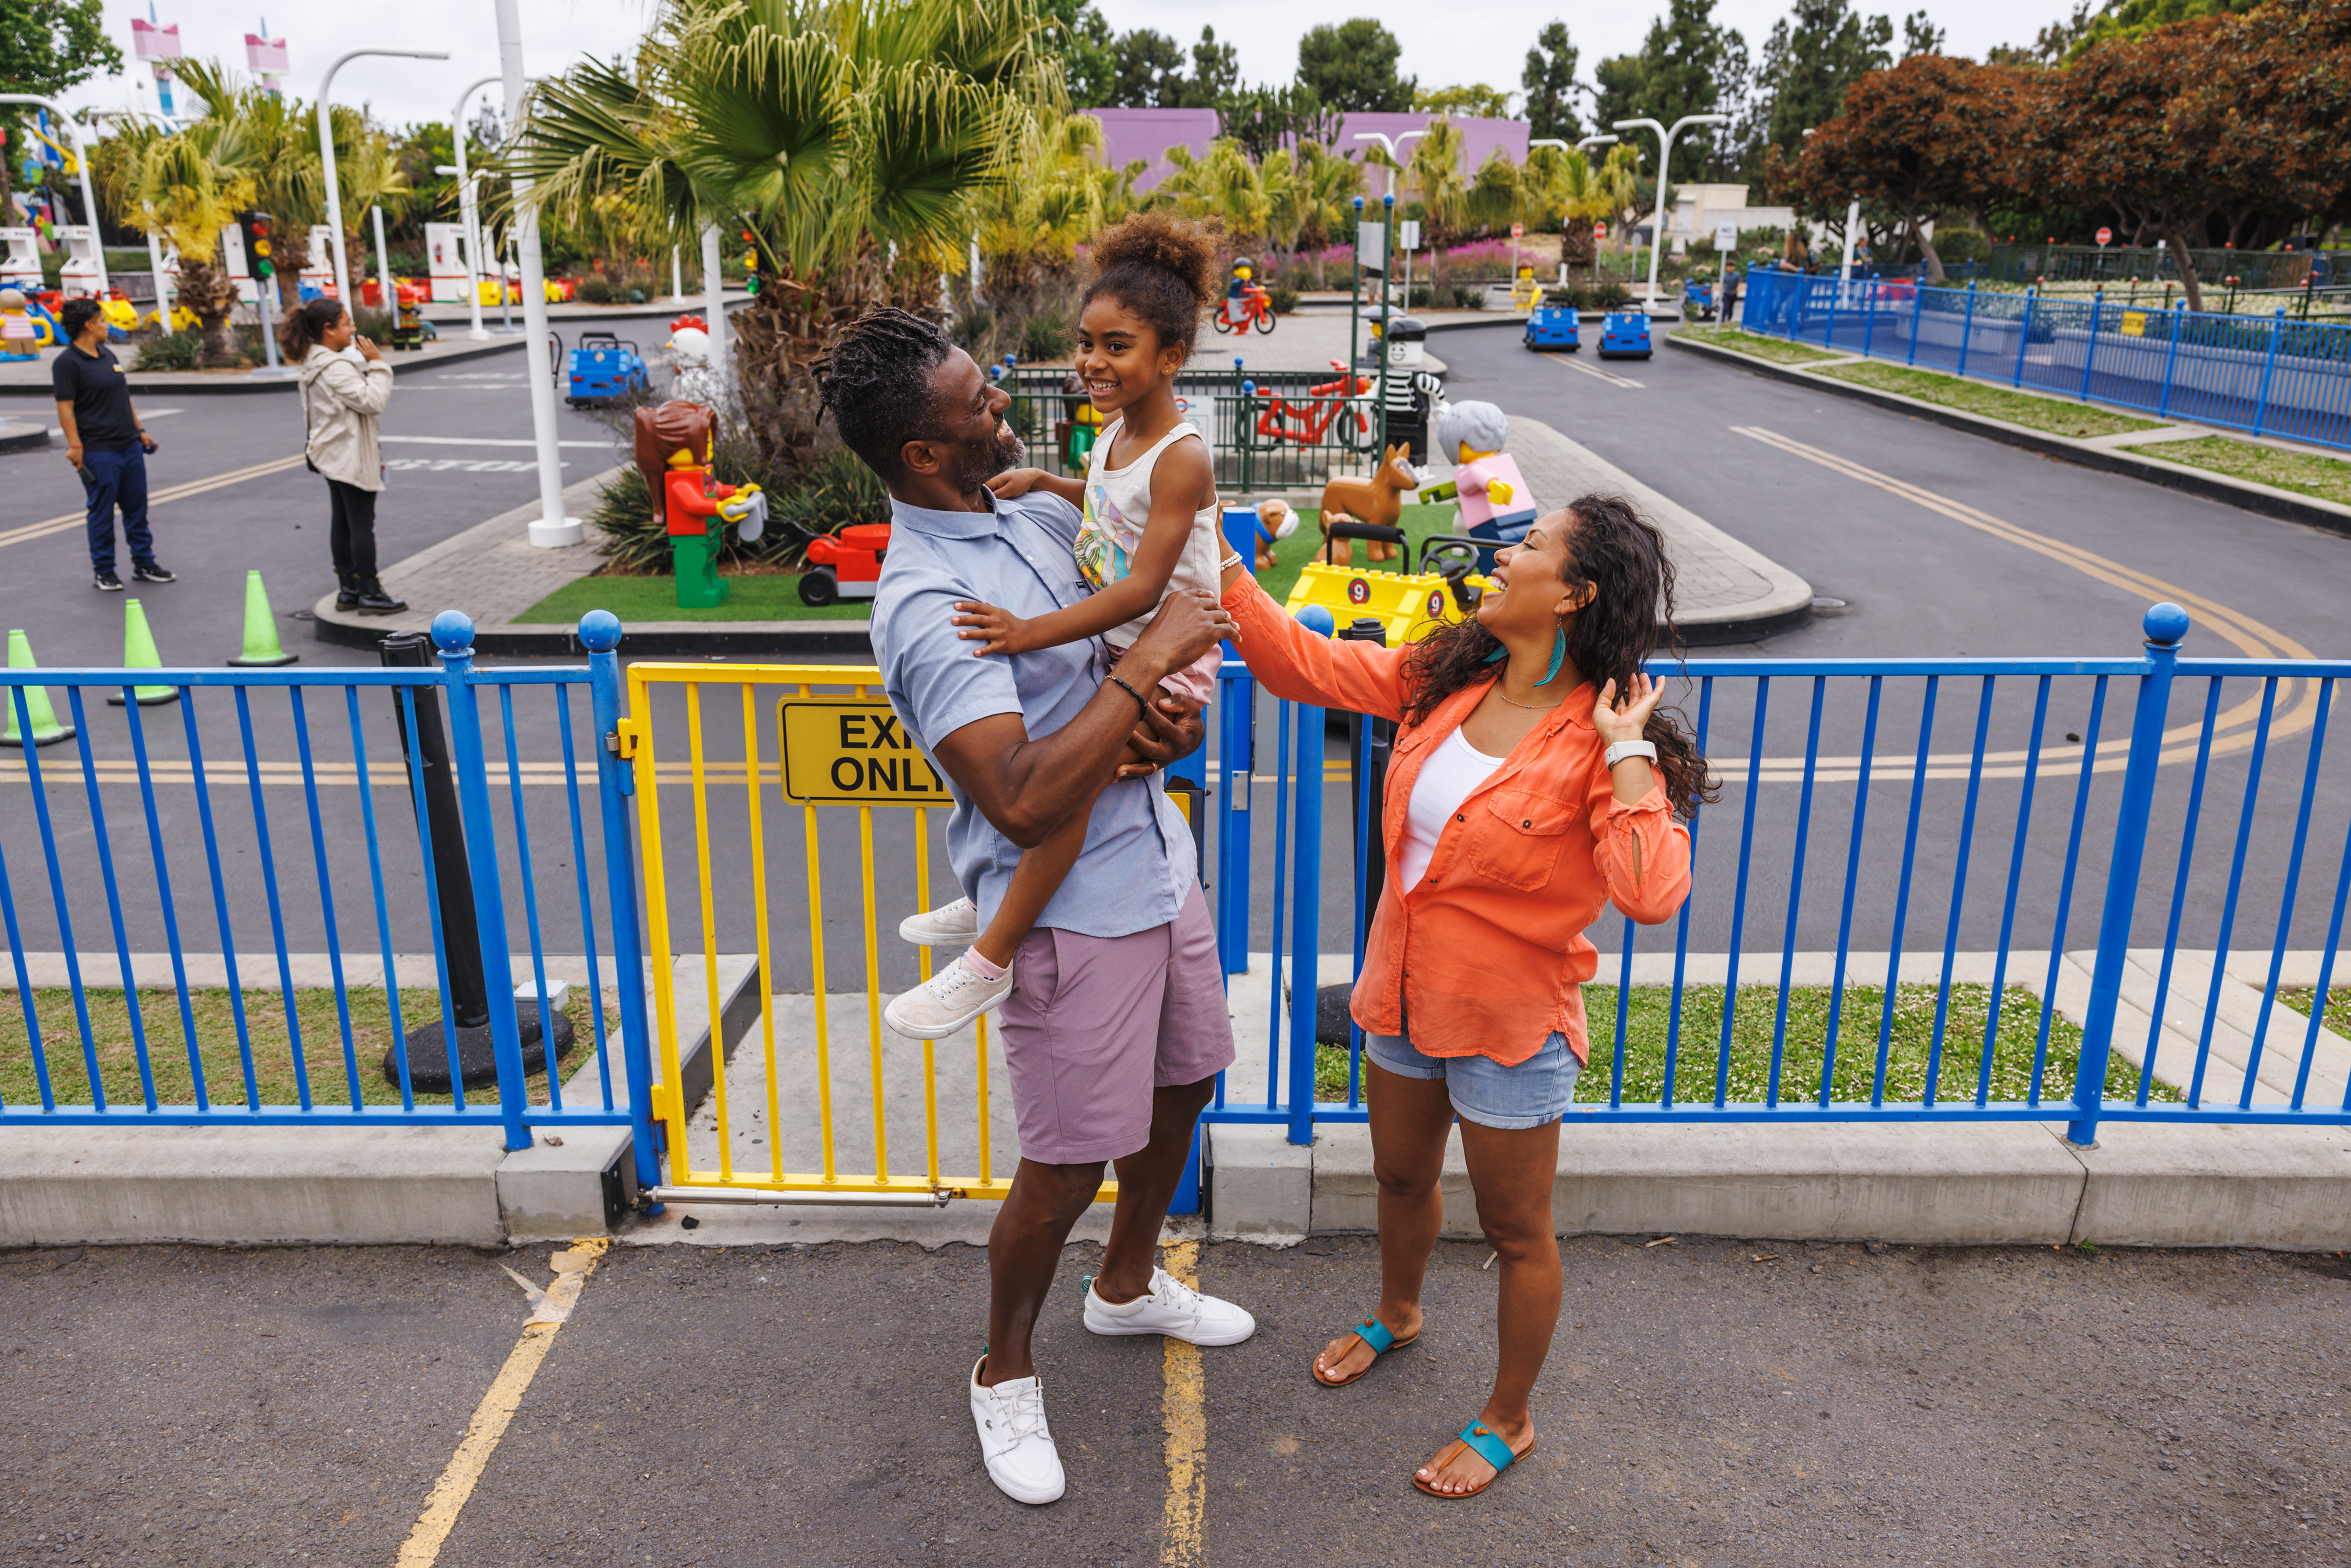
(1697, 299)
(1553, 324)
(847, 565)
(1625, 335)
(604, 368)
(1246, 305)
(1445, 589)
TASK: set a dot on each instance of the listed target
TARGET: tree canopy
(1352, 67)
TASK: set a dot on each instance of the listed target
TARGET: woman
(1533, 780)
(342, 400)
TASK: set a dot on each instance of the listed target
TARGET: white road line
(1611, 377)
(477, 441)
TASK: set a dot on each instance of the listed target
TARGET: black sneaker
(107, 582)
(151, 572)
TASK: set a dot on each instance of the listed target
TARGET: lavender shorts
(1094, 1024)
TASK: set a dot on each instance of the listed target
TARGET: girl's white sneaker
(947, 1001)
(953, 924)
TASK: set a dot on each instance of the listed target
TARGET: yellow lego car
(1408, 606)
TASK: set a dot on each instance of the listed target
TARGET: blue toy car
(1698, 300)
(1625, 335)
(1552, 327)
(604, 368)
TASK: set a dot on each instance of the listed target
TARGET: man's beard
(977, 462)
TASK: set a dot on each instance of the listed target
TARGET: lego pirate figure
(1495, 501)
(674, 452)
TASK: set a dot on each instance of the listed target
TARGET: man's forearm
(1054, 775)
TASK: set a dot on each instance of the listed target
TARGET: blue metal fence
(2270, 376)
(2016, 841)
(354, 856)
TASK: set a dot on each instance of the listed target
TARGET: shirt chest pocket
(1516, 837)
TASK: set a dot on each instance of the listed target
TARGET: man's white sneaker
(1173, 1309)
(1014, 1439)
(953, 924)
(947, 1001)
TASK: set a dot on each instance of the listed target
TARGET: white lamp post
(81, 163)
(714, 298)
(1665, 166)
(467, 214)
(553, 531)
(326, 158)
(1395, 150)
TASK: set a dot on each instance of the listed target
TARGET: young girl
(1149, 527)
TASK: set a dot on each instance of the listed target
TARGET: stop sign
(1517, 231)
(1600, 231)
(2106, 237)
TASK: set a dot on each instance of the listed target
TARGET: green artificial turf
(273, 1054)
(2297, 472)
(1807, 1029)
(2058, 416)
(765, 596)
(1779, 351)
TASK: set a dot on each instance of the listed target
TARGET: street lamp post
(467, 214)
(326, 158)
(81, 163)
(714, 298)
(1393, 146)
(1665, 166)
(552, 530)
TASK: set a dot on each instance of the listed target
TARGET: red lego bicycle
(1333, 414)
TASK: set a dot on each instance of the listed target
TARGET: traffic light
(260, 235)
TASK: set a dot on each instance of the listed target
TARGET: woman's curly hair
(1611, 545)
(1161, 268)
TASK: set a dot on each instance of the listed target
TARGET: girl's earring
(1557, 656)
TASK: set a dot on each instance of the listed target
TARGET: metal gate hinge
(663, 1099)
(622, 742)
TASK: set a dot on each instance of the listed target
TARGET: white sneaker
(1173, 1308)
(1014, 1439)
(953, 924)
(947, 1001)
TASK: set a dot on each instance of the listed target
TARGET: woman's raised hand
(1623, 717)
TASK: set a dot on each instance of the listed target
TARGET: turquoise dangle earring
(1558, 657)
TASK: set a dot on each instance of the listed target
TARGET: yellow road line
(1183, 1412)
(65, 522)
(491, 1416)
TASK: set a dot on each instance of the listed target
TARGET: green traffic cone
(261, 645)
(46, 730)
(139, 653)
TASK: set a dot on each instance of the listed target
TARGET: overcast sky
(1437, 47)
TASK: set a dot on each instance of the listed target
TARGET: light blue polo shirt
(1138, 861)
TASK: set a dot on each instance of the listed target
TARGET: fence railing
(2271, 377)
(2096, 852)
(2113, 264)
(1268, 430)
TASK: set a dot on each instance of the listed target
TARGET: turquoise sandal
(1374, 1333)
(1491, 1447)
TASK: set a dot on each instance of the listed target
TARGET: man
(106, 445)
(1117, 1026)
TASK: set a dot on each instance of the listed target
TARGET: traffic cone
(261, 645)
(139, 653)
(46, 730)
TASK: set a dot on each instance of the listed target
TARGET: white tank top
(1454, 769)
(1117, 506)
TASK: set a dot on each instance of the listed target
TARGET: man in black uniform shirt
(105, 442)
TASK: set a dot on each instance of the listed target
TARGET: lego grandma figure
(1495, 501)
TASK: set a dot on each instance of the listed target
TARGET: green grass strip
(1799, 1068)
(765, 596)
(2297, 473)
(1779, 351)
(2054, 415)
(273, 1054)
(2338, 1004)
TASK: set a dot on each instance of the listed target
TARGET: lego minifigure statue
(673, 453)
(1495, 501)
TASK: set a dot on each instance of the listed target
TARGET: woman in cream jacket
(342, 396)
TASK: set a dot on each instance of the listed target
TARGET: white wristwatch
(1624, 748)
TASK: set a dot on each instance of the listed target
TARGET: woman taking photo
(1532, 781)
(342, 397)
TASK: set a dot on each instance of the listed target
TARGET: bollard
(434, 1046)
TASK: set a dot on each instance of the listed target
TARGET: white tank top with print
(1117, 506)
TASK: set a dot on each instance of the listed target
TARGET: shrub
(171, 352)
(1469, 296)
(1422, 294)
(1610, 295)
(973, 331)
(1046, 337)
(596, 291)
(837, 491)
(1958, 245)
(1284, 300)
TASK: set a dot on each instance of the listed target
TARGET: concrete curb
(15, 436)
(2239, 493)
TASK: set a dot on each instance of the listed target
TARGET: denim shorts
(1538, 1089)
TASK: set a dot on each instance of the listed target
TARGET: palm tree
(183, 188)
(278, 143)
(1434, 177)
(846, 137)
(1226, 186)
(1318, 201)
(1568, 189)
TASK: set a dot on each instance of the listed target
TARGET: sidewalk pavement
(31, 379)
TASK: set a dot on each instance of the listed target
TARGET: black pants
(351, 535)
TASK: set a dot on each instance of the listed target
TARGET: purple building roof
(1147, 133)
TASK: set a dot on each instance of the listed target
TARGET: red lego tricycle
(847, 565)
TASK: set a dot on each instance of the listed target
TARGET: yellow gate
(833, 748)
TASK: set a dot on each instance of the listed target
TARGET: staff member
(106, 445)
(1534, 781)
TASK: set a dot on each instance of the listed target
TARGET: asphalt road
(1917, 583)
(1834, 1404)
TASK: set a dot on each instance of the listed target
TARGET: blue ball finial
(599, 630)
(1249, 389)
(1359, 204)
(2165, 624)
(1388, 200)
(1236, 361)
(1317, 618)
(452, 632)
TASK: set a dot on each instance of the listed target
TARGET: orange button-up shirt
(1486, 954)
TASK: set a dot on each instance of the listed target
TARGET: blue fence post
(600, 633)
(1237, 753)
(2024, 336)
(453, 634)
(2171, 356)
(1918, 304)
(1868, 315)
(2165, 624)
(1967, 326)
(1828, 339)
(2269, 367)
(2090, 358)
(1305, 921)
